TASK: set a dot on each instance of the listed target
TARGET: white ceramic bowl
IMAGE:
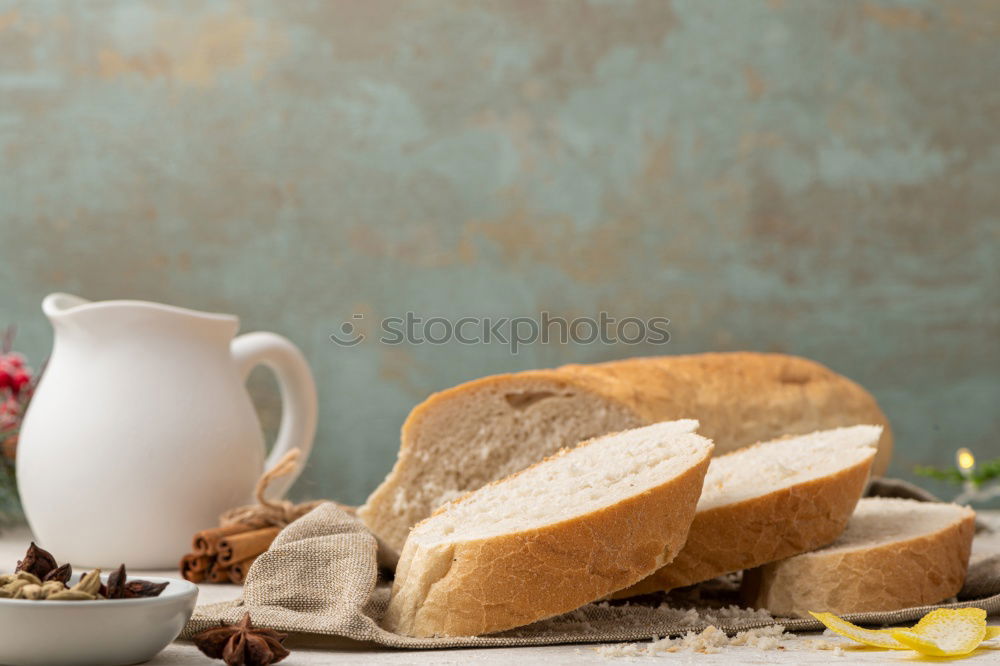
(110, 632)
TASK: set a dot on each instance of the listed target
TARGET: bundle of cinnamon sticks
(224, 554)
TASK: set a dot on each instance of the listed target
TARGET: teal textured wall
(819, 178)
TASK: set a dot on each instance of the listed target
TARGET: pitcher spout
(69, 312)
(58, 304)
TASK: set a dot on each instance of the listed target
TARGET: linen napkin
(320, 578)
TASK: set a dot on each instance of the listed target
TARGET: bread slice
(769, 502)
(566, 531)
(463, 438)
(895, 553)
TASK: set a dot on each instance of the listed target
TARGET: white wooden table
(14, 542)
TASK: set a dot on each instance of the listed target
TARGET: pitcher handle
(298, 397)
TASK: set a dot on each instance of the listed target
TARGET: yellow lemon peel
(875, 637)
(946, 632)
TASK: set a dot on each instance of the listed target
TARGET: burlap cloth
(319, 580)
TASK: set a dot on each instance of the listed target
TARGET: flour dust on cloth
(319, 580)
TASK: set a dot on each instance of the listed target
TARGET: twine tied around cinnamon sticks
(224, 554)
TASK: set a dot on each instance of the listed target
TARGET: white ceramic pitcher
(141, 431)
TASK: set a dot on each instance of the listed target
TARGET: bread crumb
(765, 638)
(821, 644)
(709, 641)
(621, 650)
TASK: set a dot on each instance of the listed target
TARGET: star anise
(37, 561)
(62, 574)
(242, 644)
(143, 588)
(118, 587)
(115, 587)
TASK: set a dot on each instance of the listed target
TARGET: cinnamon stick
(238, 571)
(199, 562)
(237, 547)
(217, 573)
(206, 542)
(194, 567)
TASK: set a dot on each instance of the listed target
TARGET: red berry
(19, 379)
(5, 379)
(15, 360)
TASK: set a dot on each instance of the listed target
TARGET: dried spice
(31, 591)
(135, 589)
(89, 583)
(38, 577)
(61, 574)
(24, 585)
(11, 585)
(225, 554)
(37, 561)
(51, 587)
(116, 584)
(242, 644)
(119, 587)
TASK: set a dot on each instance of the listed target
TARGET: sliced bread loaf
(566, 531)
(895, 553)
(769, 502)
(467, 436)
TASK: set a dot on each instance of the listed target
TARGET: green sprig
(980, 474)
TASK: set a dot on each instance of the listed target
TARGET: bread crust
(762, 529)
(740, 398)
(487, 585)
(923, 570)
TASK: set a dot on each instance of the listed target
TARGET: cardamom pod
(30, 577)
(12, 587)
(90, 583)
(71, 595)
(50, 587)
(30, 591)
